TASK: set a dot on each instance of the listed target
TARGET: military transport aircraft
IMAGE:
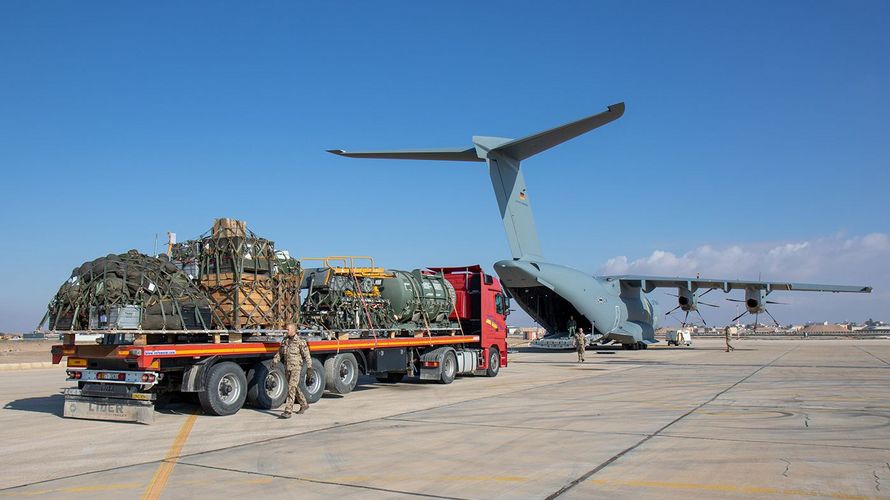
(616, 307)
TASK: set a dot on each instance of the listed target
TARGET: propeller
(757, 314)
(691, 307)
(770, 315)
(701, 317)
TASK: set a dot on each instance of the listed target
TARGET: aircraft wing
(649, 283)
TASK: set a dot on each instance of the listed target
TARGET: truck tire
(266, 386)
(341, 373)
(449, 368)
(391, 377)
(225, 389)
(313, 382)
(494, 362)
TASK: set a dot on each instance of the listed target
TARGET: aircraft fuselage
(551, 293)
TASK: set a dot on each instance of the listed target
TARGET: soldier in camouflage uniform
(580, 343)
(295, 352)
(571, 326)
(727, 332)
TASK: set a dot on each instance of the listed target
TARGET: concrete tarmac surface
(773, 419)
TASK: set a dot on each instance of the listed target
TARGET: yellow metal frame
(346, 265)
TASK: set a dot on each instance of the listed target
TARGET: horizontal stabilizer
(448, 154)
(504, 157)
(521, 149)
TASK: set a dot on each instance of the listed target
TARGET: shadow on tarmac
(48, 404)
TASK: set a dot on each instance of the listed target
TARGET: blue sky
(751, 125)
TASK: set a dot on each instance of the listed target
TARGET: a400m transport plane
(616, 307)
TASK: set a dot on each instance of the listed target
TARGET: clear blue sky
(745, 122)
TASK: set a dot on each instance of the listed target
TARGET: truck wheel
(341, 373)
(266, 386)
(312, 384)
(225, 389)
(449, 368)
(494, 362)
(391, 378)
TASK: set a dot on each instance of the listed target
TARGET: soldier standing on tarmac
(580, 344)
(727, 332)
(295, 352)
(571, 325)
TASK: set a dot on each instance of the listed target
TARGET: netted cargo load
(345, 296)
(249, 284)
(129, 291)
(341, 300)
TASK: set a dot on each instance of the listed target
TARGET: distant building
(825, 328)
(527, 333)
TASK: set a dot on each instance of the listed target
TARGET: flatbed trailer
(122, 382)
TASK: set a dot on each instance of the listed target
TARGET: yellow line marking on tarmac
(727, 488)
(165, 468)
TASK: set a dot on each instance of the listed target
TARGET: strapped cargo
(250, 286)
(130, 291)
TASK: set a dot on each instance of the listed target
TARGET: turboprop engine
(686, 300)
(755, 300)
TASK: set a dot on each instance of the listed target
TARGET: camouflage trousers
(293, 389)
(580, 348)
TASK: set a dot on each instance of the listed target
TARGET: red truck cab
(481, 308)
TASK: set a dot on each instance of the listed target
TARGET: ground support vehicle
(123, 381)
(677, 337)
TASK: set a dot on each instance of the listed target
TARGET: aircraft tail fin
(503, 157)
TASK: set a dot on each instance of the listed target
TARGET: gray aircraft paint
(616, 306)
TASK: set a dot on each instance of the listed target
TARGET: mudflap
(103, 408)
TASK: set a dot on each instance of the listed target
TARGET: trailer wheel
(494, 362)
(313, 382)
(449, 368)
(341, 373)
(225, 389)
(266, 386)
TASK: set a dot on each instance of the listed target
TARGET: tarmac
(773, 419)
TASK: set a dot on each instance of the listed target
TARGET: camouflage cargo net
(161, 296)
